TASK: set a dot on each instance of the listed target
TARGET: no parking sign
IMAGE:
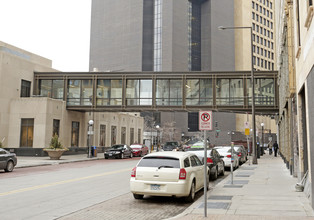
(205, 121)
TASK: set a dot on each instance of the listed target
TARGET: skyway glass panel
(87, 92)
(229, 92)
(74, 92)
(199, 92)
(139, 92)
(264, 92)
(169, 92)
(109, 92)
(51, 88)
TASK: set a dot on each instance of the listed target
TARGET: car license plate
(110, 155)
(155, 187)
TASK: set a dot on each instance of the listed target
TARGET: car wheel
(136, 196)
(191, 196)
(214, 175)
(122, 156)
(131, 155)
(141, 155)
(106, 157)
(222, 173)
(10, 167)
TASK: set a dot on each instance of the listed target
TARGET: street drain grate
(220, 197)
(238, 182)
(216, 205)
(242, 175)
(233, 186)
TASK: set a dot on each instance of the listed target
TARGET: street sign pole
(205, 174)
(205, 124)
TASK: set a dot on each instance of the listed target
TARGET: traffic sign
(247, 131)
(205, 120)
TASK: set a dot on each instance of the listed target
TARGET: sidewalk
(24, 161)
(262, 191)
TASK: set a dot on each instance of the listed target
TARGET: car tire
(122, 156)
(214, 175)
(137, 196)
(141, 155)
(191, 196)
(131, 155)
(10, 166)
(222, 173)
(106, 157)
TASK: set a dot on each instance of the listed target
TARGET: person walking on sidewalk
(275, 147)
(270, 148)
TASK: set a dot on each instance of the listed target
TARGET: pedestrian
(275, 146)
(270, 148)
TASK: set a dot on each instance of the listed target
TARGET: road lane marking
(61, 182)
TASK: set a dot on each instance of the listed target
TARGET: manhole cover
(242, 175)
(233, 186)
(238, 182)
(220, 197)
(216, 205)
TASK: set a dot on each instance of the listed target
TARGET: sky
(58, 30)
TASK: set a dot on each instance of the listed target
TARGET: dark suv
(172, 145)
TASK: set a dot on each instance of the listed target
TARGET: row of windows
(266, 33)
(27, 133)
(263, 41)
(260, 19)
(263, 63)
(263, 52)
(265, 3)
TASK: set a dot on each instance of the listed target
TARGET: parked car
(241, 152)
(139, 150)
(7, 160)
(179, 174)
(172, 145)
(215, 162)
(119, 151)
(225, 152)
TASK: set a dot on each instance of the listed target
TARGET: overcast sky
(58, 30)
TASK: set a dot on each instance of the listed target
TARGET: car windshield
(136, 146)
(160, 161)
(117, 146)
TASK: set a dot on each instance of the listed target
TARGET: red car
(139, 150)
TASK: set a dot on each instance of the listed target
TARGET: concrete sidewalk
(262, 191)
(24, 161)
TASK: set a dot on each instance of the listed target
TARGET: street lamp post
(253, 89)
(158, 139)
(262, 149)
(89, 133)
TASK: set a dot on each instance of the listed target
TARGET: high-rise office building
(179, 35)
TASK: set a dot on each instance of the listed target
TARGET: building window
(27, 132)
(25, 88)
(113, 135)
(123, 135)
(75, 132)
(131, 135)
(139, 136)
(56, 127)
(252, 4)
(102, 136)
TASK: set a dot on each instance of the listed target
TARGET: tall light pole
(90, 132)
(253, 89)
(262, 149)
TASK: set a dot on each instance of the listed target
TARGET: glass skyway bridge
(160, 91)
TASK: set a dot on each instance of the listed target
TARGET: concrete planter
(55, 154)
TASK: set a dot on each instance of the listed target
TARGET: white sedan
(168, 173)
(225, 152)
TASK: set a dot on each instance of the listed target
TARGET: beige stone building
(27, 122)
(295, 63)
